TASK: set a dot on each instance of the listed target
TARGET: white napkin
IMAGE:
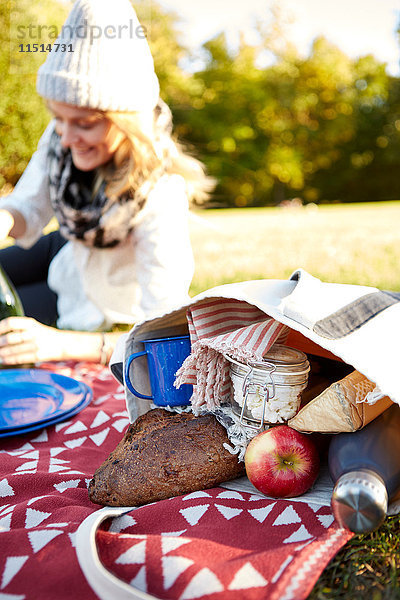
(220, 326)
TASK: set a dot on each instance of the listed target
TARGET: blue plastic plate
(49, 422)
(32, 398)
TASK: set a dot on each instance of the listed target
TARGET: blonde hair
(142, 153)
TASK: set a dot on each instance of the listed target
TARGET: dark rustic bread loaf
(164, 454)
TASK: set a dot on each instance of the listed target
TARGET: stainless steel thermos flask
(365, 466)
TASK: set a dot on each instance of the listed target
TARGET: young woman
(108, 169)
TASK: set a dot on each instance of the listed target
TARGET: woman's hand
(25, 340)
(6, 223)
(12, 223)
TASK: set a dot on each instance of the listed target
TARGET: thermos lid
(359, 501)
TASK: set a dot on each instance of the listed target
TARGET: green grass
(367, 568)
(354, 243)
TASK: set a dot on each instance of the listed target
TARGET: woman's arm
(25, 340)
(12, 223)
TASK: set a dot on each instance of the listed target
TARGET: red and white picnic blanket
(217, 327)
(216, 544)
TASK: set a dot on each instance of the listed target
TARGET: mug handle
(128, 379)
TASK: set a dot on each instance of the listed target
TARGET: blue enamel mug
(164, 357)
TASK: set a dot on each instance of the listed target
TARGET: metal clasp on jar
(248, 383)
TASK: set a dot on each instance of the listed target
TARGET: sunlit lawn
(354, 243)
(357, 243)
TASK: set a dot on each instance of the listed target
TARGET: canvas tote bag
(356, 324)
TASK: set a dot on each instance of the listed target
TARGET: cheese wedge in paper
(340, 408)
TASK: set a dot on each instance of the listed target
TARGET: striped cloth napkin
(219, 326)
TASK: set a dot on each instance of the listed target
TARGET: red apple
(281, 462)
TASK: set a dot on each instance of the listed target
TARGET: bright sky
(358, 27)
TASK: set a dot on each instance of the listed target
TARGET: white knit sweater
(147, 274)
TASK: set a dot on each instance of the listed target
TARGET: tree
(324, 128)
(23, 115)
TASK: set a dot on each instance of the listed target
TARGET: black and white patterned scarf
(94, 218)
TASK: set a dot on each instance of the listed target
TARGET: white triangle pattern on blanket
(120, 424)
(6, 508)
(230, 495)
(75, 443)
(35, 499)
(228, 512)
(195, 495)
(34, 517)
(193, 514)
(56, 451)
(75, 428)
(260, 514)
(5, 489)
(33, 455)
(173, 567)
(98, 438)
(170, 543)
(40, 538)
(100, 419)
(287, 517)
(65, 485)
(326, 520)
(247, 577)
(203, 583)
(30, 466)
(5, 523)
(13, 565)
(300, 535)
(139, 581)
(120, 523)
(134, 555)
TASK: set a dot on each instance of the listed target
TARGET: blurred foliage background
(325, 128)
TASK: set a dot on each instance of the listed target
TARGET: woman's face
(90, 136)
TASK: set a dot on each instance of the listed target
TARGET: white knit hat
(110, 66)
